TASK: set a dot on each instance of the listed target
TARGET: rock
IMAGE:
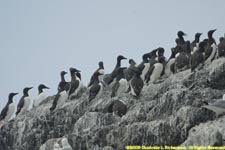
(56, 144)
(214, 135)
(166, 113)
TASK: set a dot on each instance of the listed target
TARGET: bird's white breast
(10, 112)
(168, 71)
(213, 53)
(62, 99)
(156, 72)
(122, 87)
(26, 103)
(195, 48)
(100, 90)
(102, 72)
(39, 99)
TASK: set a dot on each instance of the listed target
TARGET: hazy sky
(38, 39)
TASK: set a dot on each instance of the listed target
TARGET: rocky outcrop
(166, 113)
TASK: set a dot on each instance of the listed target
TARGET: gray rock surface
(167, 113)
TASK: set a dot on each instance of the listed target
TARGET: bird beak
(47, 87)
(185, 34)
(66, 72)
(214, 30)
(15, 94)
(30, 88)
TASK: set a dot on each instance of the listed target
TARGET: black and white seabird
(218, 106)
(60, 97)
(136, 83)
(156, 70)
(130, 71)
(65, 86)
(149, 59)
(144, 66)
(211, 40)
(41, 95)
(180, 40)
(195, 41)
(96, 87)
(75, 83)
(24, 102)
(112, 76)
(160, 52)
(182, 59)
(117, 107)
(121, 85)
(211, 49)
(8, 110)
(221, 47)
(101, 72)
(169, 68)
(197, 57)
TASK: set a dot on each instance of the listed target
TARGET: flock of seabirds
(185, 55)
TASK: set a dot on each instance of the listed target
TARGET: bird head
(120, 57)
(63, 73)
(11, 95)
(210, 33)
(181, 34)
(42, 86)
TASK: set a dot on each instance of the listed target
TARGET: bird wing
(183, 61)
(113, 75)
(221, 48)
(208, 51)
(63, 86)
(3, 112)
(94, 91)
(54, 104)
(148, 75)
(20, 105)
(172, 67)
(196, 59)
(140, 83)
(91, 80)
(129, 73)
(73, 87)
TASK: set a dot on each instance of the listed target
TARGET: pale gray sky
(38, 39)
